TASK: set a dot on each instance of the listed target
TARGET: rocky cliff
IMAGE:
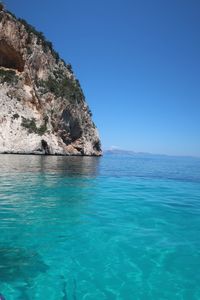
(42, 106)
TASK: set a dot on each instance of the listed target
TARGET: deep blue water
(116, 228)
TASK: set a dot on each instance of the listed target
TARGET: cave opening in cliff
(10, 58)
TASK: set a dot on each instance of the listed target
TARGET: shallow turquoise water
(99, 228)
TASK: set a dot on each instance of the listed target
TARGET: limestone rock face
(42, 106)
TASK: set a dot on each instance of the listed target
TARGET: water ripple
(88, 228)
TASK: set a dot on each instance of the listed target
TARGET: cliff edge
(42, 106)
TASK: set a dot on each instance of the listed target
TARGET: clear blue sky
(138, 63)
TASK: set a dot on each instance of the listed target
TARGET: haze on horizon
(138, 63)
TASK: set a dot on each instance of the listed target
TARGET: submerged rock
(20, 264)
(42, 106)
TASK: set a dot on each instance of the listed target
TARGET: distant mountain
(116, 151)
(121, 152)
(129, 152)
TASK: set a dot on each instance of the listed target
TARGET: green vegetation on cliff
(30, 125)
(8, 76)
(62, 86)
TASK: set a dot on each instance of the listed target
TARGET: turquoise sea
(114, 228)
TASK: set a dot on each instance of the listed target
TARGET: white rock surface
(58, 123)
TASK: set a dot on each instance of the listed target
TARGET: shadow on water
(65, 288)
(61, 165)
(20, 264)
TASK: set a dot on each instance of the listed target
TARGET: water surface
(117, 227)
